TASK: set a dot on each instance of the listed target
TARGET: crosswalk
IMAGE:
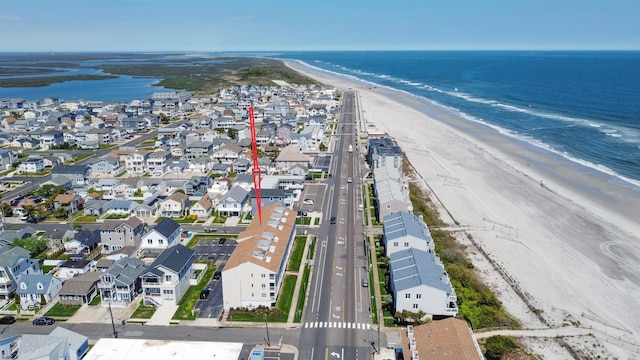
(336, 325)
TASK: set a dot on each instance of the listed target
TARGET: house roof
(69, 169)
(11, 257)
(126, 270)
(32, 280)
(449, 338)
(177, 196)
(174, 258)
(413, 267)
(64, 198)
(265, 244)
(42, 347)
(75, 340)
(237, 193)
(81, 284)
(166, 227)
(400, 224)
(133, 222)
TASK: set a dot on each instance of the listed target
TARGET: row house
(158, 161)
(403, 230)
(136, 162)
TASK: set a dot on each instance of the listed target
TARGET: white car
(307, 201)
(349, 180)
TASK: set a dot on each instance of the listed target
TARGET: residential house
(104, 136)
(51, 138)
(227, 154)
(71, 202)
(59, 344)
(116, 234)
(163, 235)
(168, 277)
(7, 158)
(15, 262)
(95, 207)
(201, 208)
(121, 207)
(255, 271)
(445, 339)
(36, 288)
(403, 230)
(420, 283)
(233, 202)
(106, 165)
(78, 174)
(8, 343)
(133, 125)
(120, 283)
(80, 289)
(157, 162)
(71, 268)
(32, 164)
(270, 197)
(136, 163)
(291, 156)
(198, 149)
(175, 206)
(86, 243)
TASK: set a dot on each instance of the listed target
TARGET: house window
(395, 244)
(149, 241)
(407, 296)
(264, 295)
(263, 275)
(415, 306)
(167, 292)
(160, 241)
(418, 296)
(264, 286)
(167, 278)
(406, 244)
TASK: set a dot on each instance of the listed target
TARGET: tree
(6, 209)
(138, 193)
(233, 133)
(61, 212)
(33, 245)
(164, 118)
(29, 210)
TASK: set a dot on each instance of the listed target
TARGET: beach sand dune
(564, 235)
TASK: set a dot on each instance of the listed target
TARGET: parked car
(43, 321)
(7, 320)
(217, 274)
(307, 201)
(222, 241)
(204, 293)
(302, 213)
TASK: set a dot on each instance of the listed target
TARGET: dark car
(43, 321)
(333, 219)
(7, 320)
(222, 241)
(302, 213)
(217, 274)
(204, 293)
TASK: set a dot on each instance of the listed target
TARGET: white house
(33, 288)
(167, 278)
(32, 164)
(164, 234)
(419, 283)
(255, 271)
(403, 230)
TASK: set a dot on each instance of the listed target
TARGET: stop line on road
(336, 325)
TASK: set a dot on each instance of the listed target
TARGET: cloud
(10, 17)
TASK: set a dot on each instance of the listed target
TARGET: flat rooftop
(135, 349)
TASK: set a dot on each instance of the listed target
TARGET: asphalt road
(337, 320)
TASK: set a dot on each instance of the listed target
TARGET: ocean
(583, 106)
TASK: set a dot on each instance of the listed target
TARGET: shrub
(498, 345)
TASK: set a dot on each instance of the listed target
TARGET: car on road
(222, 240)
(44, 320)
(210, 229)
(7, 320)
(365, 282)
(302, 213)
(205, 293)
(333, 220)
(349, 180)
(307, 201)
(217, 274)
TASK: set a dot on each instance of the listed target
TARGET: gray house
(79, 174)
(106, 165)
(120, 283)
(33, 288)
(14, 263)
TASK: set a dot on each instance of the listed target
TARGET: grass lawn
(59, 310)
(117, 216)
(302, 294)
(191, 297)
(47, 268)
(96, 301)
(280, 314)
(144, 311)
(312, 247)
(86, 219)
(296, 255)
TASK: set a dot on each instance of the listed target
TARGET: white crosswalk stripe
(336, 325)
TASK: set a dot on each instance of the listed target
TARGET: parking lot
(216, 252)
(313, 192)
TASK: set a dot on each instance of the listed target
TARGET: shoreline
(562, 231)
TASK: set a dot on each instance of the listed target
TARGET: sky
(305, 25)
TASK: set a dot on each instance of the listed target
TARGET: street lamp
(266, 327)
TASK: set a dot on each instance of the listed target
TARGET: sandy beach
(564, 235)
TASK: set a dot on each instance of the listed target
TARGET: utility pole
(113, 325)
(267, 327)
